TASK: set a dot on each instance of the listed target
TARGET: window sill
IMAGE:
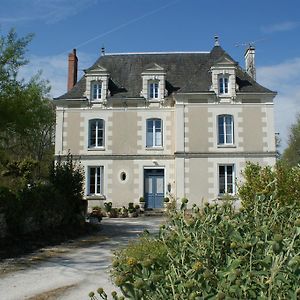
(95, 197)
(226, 146)
(154, 148)
(96, 149)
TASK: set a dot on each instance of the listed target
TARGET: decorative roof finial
(102, 51)
(217, 41)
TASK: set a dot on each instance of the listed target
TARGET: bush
(220, 253)
(44, 206)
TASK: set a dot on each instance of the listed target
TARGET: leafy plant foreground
(217, 252)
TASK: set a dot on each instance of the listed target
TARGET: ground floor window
(95, 180)
(226, 179)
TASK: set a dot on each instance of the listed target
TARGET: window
(96, 90)
(153, 90)
(223, 85)
(96, 133)
(225, 130)
(154, 133)
(95, 180)
(226, 179)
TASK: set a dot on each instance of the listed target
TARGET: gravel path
(73, 269)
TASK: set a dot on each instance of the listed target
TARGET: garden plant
(218, 252)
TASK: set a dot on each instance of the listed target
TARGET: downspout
(62, 131)
(184, 150)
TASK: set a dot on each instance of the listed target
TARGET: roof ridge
(166, 52)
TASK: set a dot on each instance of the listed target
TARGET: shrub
(220, 253)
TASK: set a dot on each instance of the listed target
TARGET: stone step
(154, 212)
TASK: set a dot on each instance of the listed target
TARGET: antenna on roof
(250, 44)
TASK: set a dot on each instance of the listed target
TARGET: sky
(163, 25)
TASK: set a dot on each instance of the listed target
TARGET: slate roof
(185, 73)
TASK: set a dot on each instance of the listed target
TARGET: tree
(292, 153)
(26, 113)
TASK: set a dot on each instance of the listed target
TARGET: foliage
(291, 154)
(20, 173)
(67, 177)
(282, 181)
(26, 115)
(96, 213)
(46, 205)
(217, 252)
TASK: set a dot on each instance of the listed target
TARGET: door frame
(155, 168)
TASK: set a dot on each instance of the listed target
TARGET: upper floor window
(96, 133)
(225, 130)
(95, 180)
(96, 90)
(153, 89)
(154, 136)
(223, 85)
(226, 179)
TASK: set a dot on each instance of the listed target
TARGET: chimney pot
(72, 69)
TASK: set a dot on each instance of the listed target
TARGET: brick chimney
(72, 69)
(250, 61)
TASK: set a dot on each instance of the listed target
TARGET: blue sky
(163, 25)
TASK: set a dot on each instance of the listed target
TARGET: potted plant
(113, 213)
(137, 209)
(124, 212)
(95, 216)
(107, 207)
(142, 203)
(131, 210)
(166, 202)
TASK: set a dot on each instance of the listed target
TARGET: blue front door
(154, 188)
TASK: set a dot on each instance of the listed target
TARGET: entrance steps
(154, 212)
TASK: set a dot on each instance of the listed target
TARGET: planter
(132, 214)
(142, 205)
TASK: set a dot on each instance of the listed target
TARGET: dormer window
(97, 85)
(153, 83)
(224, 79)
(96, 90)
(153, 89)
(223, 85)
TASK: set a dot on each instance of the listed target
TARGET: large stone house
(154, 124)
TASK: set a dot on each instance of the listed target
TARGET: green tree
(26, 113)
(292, 153)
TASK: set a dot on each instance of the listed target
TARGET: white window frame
(97, 131)
(222, 119)
(153, 89)
(223, 84)
(96, 90)
(226, 177)
(99, 180)
(155, 135)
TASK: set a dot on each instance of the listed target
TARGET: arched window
(96, 133)
(225, 130)
(96, 90)
(154, 133)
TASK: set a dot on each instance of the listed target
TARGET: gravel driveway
(73, 269)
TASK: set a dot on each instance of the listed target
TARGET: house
(154, 124)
